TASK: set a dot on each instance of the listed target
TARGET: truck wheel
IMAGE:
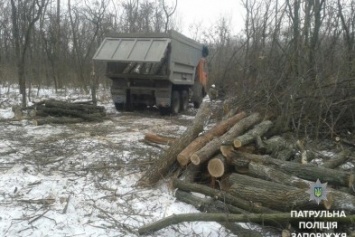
(184, 100)
(198, 100)
(197, 94)
(175, 102)
(119, 106)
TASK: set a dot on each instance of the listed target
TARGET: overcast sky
(207, 12)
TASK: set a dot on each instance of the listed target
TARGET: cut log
(222, 196)
(340, 159)
(304, 171)
(190, 173)
(54, 120)
(152, 137)
(205, 153)
(337, 200)
(217, 166)
(215, 206)
(226, 149)
(230, 113)
(72, 113)
(269, 173)
(270, 194)
(286, 196)
(218, 130)
(222, 217)
(279, 148)
(259, 130)
(74, 106)
(260, 144)
(207, 204)
(161, 167)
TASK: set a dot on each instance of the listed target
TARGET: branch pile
(240, 170)
(61, 112)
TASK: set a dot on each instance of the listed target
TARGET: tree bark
(279, 148)
(219, 217)
(259, 130)
(304, 171)
(273, 194)
(151, 137)
(87, 108)
(162, 166)
(269, 173)
(270, 194)
(222, 196)
(215, 206)
(218, 130)
(340, 159)
(213, 146)
(61, 120)
(190, 173)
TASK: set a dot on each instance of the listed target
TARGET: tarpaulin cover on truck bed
(132, 49)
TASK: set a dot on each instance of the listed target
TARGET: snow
(80, 180)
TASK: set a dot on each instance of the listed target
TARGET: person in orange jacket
(202, 68)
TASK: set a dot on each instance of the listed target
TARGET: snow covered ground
(80, 180)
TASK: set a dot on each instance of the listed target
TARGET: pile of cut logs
(61, 112)
(247, 176)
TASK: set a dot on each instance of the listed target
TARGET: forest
(293, 60)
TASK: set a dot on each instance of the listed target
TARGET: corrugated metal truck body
(152, 69)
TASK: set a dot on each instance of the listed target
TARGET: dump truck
(166, 70)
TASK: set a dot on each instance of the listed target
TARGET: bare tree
(33, 11)
(169, 11)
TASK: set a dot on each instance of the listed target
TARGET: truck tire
(175, 102)
(197, 96)
(184, 100)
(119, 106)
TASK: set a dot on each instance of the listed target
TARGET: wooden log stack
(61, 112)
(242, 171)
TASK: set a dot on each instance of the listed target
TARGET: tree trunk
(199, 142)
(215, 206)
(162, 166)
(217, 166)
(269, 173)
(213, 146)
(340, 159)
(151, 137)
(304, 171)
(251, 135)
(222, 196)
(61, 120)
(284, 197)
(215, 217)
(270, 194)
(279, 148)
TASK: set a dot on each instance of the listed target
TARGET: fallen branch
(340, 159)
(162, 166)
(259, 130)
(216, 217)
(222, 196)
(222, 217)
(210, 205)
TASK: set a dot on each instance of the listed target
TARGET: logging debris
(242, 171)
(62, 112)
